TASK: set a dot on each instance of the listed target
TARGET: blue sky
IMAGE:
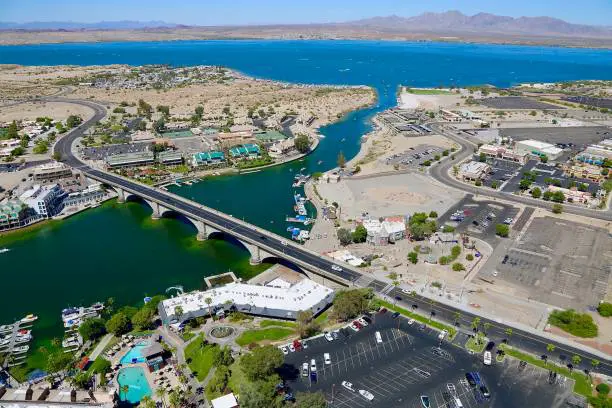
(227, 12)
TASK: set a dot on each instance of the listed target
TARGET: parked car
(326, 358)
(490, 346)
(348, 386)
(313, 365)
(305, 370)
(442, 335)
(329, 337)
(382, 310)
(354, 327)
(395, 315)
(366, 394)
(297, 345)
(291, 348)
(487, 358)
(410, 322)
(451, 388)
(284, 350)
(336, 268)
(362, 321)
(336, 334)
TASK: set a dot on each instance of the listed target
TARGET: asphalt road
(275, 244)
(440, 173)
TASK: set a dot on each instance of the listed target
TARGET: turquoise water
(138, 386)
(134, 355)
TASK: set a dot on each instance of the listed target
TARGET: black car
(485, 391)
(395, 315)
(505, 259)
(490, 346)
(475, 223)
(367, 319)
(398, 298)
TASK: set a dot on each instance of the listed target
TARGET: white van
(442, 335)
(378, 337)
(458, 403)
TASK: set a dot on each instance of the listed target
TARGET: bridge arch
(272, 259)
(166, 213)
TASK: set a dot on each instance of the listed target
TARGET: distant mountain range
(69, 25)
(455, 21)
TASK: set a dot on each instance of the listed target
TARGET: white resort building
(280, 300)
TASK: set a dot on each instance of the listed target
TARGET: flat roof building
(245, 151)
(503, 152)
(226, 401)
(170, 157)
(473, 171)
(51, 171)
(13, 214)
(280, 302)
(131, 159)
(596, 153)
(46, 201)
(537, 148)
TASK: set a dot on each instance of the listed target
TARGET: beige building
(503, 152)
(228, 139)
(473, 171)
(51, 171)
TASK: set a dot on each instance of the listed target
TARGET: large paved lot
(517, 102)
(559, 262)
(475, 220)
(580, 136)
(409, 363)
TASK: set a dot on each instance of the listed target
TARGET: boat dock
(73, 317)
(14, 339)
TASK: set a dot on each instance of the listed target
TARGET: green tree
(73, 121)
(92, 329)
(12, 131)
(605, 309)
(223, 357)
(118, 324)
(159, 125)
(306, 325)
(578, 324)
(260, 394)
(557, 208)
(341, 160)
(261, 362)
(310, 400)
(58, 361)
(576, 359)
(502, 230)
(142, 320)
(544, 158)
(350, 303)
(144, 109)
(360, 234)
(536, 192)
(413, 257)
(476, 323)
(344, 236)
(302, 143)
(164, 110)
(178, 312)
(457, 267)
(550, 347)
(482, 157)
(199, 110)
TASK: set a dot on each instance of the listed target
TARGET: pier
(14, 339)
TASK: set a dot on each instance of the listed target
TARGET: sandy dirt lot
(30, 111)
(400, 194)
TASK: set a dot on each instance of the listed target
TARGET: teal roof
(270, 136)
(208, 157)
(247, 149)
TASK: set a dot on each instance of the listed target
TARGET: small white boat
(3, 250)
(29, 318)
(21, 349)
(6, 328)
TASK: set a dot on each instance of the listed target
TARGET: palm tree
(544, 358)
(550, 347)
(147, 402)
(209, 302)
(486, 326)
(595, 363)
(178, 312)
(576, 359)
(161, 394)
(475, 323)
(508, 332)
(458, 317)
(175, 399)
(124, 389)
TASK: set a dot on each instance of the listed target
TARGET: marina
(73, 317)
(14, 338)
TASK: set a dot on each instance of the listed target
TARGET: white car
(329, 337)
(451, 388)
(411, 321)
(487, 358)
(336, 268)
(305, 370)
(367, 395)
(291, 348)
(285, 243)
(442, 335)
(313, 366)
(348, 386)
(326, 358)
(284, 350)
(362, 321)
(406, 291)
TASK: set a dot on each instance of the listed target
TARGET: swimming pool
(134, 355)
(136, 381)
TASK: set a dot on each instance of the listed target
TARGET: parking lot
(579, 136)
(409, 362)
(102, 152)
(414, 157)
(559, 262)
(478, 217)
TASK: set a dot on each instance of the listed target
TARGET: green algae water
(115, 250)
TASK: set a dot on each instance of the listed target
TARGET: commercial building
(280, 302)
(473, 171)
(46, 201)
(270, 136)
(597, 153)
(51, 171)
(91, 193)
(226, 401)
(450, 116)
(245, 151)
(390, 230)
(130, 159)
(573, 195)
(15, 214)
(234, 138)
(170, 157)
(208, 158)
(503, 152)
(282, 147)
(584, 171)
(42, 397)
(537, 148)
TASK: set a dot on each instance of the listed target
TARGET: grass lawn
(428, 91)
(271, 333)
(451, 330)
(236, 378)
(278, 323)
(582, 384)
(322, 318)
(472, 344)
(188, 335)
(201, 357)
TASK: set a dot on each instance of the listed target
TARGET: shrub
(444, 260)
(605, 309)
(478, 183)
(458, 267)
(469, 257)
(502, 230)
(557, 208)
(603, 388)
(578, 324)
(413, 257)
(433, 214)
